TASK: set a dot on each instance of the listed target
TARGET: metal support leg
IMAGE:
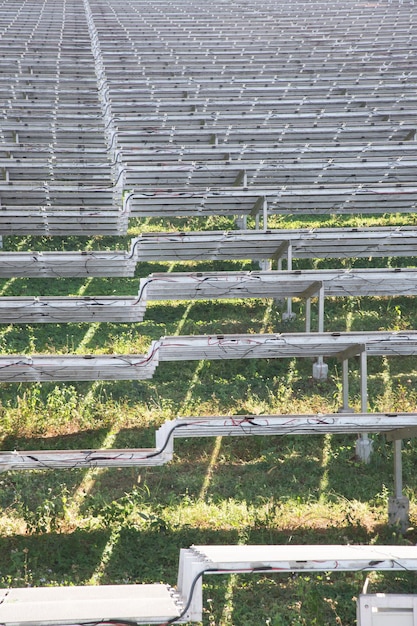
(364, 382)
(265, 213)
(398, 505)
(279, 300)
(345, 384)
(289, 315)
(320, 369)
(398, 469)
(321, 310)
(363, 443)
(308, 315)
(242, 222)
(345, 408)
(264, 265)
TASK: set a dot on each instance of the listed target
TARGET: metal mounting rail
(76, 459)
(25, 310)
(273, 284)
(336, 199)
(306, 284)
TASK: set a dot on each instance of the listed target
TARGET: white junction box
(382, 609)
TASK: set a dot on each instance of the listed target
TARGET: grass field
(115, 526)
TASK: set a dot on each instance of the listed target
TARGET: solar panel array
(60, 175)
(116, 111)
(308, 110)
(109, 111)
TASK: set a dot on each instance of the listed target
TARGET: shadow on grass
(52, 558)
(152, 555)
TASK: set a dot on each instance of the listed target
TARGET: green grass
(114, 526)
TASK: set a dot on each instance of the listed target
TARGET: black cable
(190, 597)
(160, 450)
(143, 287)
(193, 584)
(182, 425)
(113, 622)
(116, 622)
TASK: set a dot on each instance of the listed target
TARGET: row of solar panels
(305, 284)
(255, 245)
(160, 603)
(393, 425)
(22, 368)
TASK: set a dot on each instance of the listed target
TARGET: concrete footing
(264, 265)
(320, 371)
(288, 317)
(398, 512)
(364, 449)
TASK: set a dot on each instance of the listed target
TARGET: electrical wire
(162, 448)
(111, 622)
(173, 620)
(190, 596)
(371, 565)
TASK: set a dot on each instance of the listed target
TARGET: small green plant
(49, 515)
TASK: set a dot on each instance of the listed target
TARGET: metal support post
(264, 265)
(364, 381)
(363, 443)
(308, 315)
(320, 369)
(279, 300)
(398, 469)
(321, 310)
(265, 213)
(242, 222)
(345, 408)
(345, 384)
(398, 504)
(289, 315)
